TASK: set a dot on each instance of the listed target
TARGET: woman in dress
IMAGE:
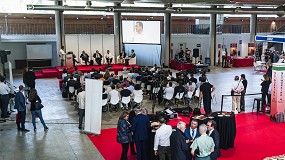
(124, 135)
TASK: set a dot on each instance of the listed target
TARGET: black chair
(259, 104)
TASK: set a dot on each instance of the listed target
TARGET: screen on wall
(141, 31)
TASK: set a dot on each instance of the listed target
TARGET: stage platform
(56, 72)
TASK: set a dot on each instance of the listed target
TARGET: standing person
(244, 82)
(178, 144)
(34, 98)
(205, 92)
(124, 135)
(162, 140)
(62, 56)
(20, 105)
(212, 132)
(204, 143)
(140, 128)
(30, 78)
(74, 61)
(4, 96)
(98, 57)
(132, 143)
(109, 57)
(237, 88)
(25, 70)
(81, 102)
(191, 134)
(264, 89)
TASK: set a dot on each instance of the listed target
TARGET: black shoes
(46, 128)
(25, 130)
(79, 127)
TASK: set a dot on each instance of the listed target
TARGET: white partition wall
(72, 44)
(108, 44)
(84, 44)
(93, 106)
(96, 43)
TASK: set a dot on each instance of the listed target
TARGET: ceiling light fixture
(128, 2)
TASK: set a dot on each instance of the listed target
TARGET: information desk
(243, 62)
(181, 66)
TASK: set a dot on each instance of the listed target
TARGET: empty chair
(71, 91)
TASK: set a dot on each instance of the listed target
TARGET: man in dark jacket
(30, 78)
(140, 128)
(212, 132)
(20, 105)
(178, 144)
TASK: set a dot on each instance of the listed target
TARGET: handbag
(38, 105)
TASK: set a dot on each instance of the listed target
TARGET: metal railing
(34, 29)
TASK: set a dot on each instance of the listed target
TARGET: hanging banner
(93, 106)
(278, 91)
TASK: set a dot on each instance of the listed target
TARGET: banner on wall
(251, 49)
(93, 106)
(233, 49)
(277, 92)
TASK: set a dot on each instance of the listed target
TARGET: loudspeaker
(195, 52)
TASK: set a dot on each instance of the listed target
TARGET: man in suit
(20, 105)
(30, 78)
(191, 134)
(212, 132)
(85, 57)
(178, 144)
(140, 128)
(98, 57)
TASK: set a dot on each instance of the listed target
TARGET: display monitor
(141, 31)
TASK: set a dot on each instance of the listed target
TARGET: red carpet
(256, 139)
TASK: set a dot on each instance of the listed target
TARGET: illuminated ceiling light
(128, 2)
(25, 17)
(77, 18)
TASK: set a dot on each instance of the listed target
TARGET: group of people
(26, 94)
(98, 57)
(184, 56)
(177, 144)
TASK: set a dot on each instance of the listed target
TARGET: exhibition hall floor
(64, 140)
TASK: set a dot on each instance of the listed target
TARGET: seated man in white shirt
(109, 57)
(114, 96)
(162, 140)
(168, 92)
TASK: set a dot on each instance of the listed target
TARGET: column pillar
(253, 24)
(167, 38)
(213, 34)
(117, 33)
(59, 27)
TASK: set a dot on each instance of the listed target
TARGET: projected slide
(141, 32)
